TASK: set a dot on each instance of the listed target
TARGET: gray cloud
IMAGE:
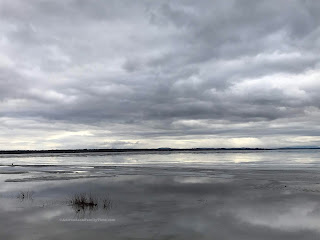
(144, 71)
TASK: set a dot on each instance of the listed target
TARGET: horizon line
(161, 149)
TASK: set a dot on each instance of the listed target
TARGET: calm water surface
(183, 195)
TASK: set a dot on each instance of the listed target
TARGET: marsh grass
(107, 204)
(25, 195)
(84, 201)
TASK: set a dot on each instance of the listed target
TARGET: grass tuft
(25, 195)
(84, 200)
(107, 204)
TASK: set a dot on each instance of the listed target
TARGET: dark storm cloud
(142, 68)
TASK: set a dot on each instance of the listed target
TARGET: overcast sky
(126, 73)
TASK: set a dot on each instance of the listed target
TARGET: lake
(242, 194)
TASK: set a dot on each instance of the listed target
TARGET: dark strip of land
(142, 150)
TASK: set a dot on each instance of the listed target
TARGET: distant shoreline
(148, 150)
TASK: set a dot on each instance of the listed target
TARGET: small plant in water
(84, 201)
(107, 204)
(25, 195)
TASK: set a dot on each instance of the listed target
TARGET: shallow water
(207, 195)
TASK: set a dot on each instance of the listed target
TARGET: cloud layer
(79, 73)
